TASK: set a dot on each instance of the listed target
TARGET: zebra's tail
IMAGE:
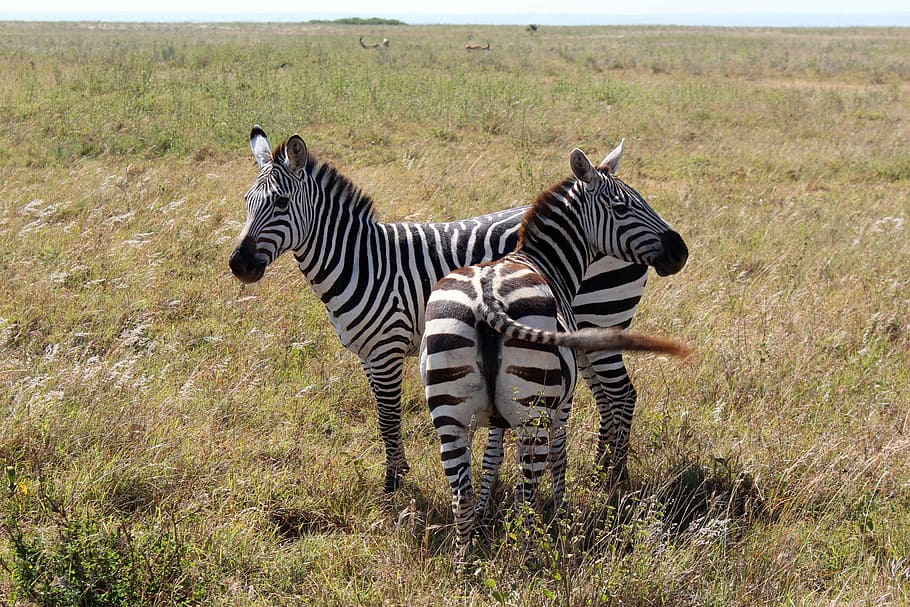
(605, 338)
(588, 339)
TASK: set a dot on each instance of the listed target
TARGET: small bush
(81, 559)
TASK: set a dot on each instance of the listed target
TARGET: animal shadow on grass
(687, 500)
(421, 518)
(292, 523)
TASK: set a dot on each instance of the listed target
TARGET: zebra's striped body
(500, 338)
(374, 279)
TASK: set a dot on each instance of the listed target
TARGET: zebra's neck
(563, 277)
(552, 239)
(340, 227)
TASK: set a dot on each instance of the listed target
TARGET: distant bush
(361, 21)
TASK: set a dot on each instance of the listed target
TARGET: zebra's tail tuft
(601, 338)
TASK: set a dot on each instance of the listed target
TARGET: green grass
(172, 436)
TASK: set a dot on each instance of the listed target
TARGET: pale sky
(365, 8)
(773, 13)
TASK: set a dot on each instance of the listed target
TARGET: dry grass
(171, 436)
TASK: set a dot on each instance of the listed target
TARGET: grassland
(173, 437)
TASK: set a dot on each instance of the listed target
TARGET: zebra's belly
(388, 326)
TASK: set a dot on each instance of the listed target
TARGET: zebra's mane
(545, 205)
(338, 187)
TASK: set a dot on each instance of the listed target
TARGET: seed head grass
(171, 436)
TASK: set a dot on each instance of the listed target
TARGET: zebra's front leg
(606, 428)
(606, 375)
(492, 461)
(385, 380)
(623, 409)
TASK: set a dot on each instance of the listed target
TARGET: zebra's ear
(611, 162)
(297, 153)
(581, 166)
(259, 144)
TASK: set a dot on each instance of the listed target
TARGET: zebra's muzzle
(246, 263)
(674, 255)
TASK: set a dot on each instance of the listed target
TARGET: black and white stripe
(500, 338)
(374, 279)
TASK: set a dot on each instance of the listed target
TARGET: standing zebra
(374, 279)
(491, 353)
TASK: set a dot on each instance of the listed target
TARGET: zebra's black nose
(245, 263)
(674, 255)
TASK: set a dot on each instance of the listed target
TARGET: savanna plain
(170, 436)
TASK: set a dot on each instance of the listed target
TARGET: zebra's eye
(281, 202)
(619, 203)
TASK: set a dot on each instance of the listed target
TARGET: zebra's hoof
(395, 478)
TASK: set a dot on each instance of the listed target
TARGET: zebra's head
(273, 222)
(620, 222)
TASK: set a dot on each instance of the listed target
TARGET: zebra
(500, 337)
(374, 279)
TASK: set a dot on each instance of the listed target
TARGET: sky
(423, 11)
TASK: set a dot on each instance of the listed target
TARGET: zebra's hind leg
(558, 458)
(385, 380)
(533, 448)
(456, 462)
(492, 461)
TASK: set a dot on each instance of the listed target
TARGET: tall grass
(171, 436)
